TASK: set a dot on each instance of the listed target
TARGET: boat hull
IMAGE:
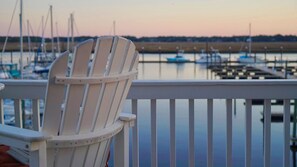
(249, 60)
(177, 60)
(213, 60)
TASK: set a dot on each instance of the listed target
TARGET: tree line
(258, 38)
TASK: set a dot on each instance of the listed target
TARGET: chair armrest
(22, 138)
(22, 134)
(128, 118)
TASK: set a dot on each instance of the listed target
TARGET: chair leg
(121, 143)
(38, 157)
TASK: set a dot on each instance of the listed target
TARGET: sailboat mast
(250, 39)
(114, 28)
(68, 35)
(58, 40)
(29, 40)
(52, 30)
(21, 38)
(42, 36)
(71, 26)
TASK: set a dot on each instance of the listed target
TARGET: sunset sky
(157, 17)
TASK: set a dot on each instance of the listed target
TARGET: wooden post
(229, 54)
(286, 66)
(206, 50)
(11, 60)
(159, 54)
(281, 53)
(265, 48)
(142, 50)
(194, 53)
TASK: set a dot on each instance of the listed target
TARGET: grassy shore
(223, 47)
(190, 47)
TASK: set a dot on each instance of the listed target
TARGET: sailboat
(247, 58)
(42, 60)
(24, 72)
(10, 70)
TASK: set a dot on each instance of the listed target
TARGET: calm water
(190, 70)
(165, 71)
(182, 117)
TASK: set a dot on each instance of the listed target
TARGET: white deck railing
(191, 89)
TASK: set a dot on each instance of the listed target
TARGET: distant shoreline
(188, 47)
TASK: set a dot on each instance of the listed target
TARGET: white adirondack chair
(82, 109)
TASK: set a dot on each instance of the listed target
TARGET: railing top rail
(175, 89)
(22, 89)
(215, 82)
(213, 89)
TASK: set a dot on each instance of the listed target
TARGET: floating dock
(242, 72)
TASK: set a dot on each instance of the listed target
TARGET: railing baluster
(135, 138)
(1, 112)
(191, 134)
(267, 132)
(229, 133)
(248, 132)
(209, 132)
(154, 149)
(172, 133)
(18, 113)
(287, 115)
(35, 114)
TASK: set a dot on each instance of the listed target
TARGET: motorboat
(179, 58)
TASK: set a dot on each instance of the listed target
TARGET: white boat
(29, 71)
(5, 75)
(247, 58)
(179, 58)
(215, 57)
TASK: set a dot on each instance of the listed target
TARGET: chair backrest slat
(122, 85)
(133, 66)
(102, 52)
(54, 96)
(118, 57)
(74, 93)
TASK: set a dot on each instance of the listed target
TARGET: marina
(171, 73)
(273, 68)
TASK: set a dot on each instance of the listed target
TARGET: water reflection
(165, 71)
